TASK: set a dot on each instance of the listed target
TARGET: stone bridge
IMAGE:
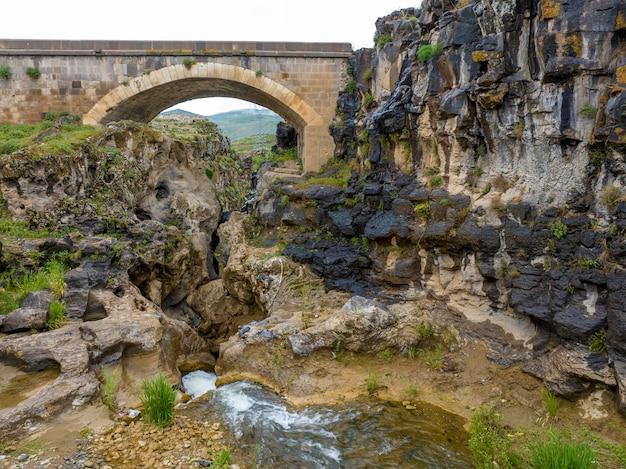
(104, 81)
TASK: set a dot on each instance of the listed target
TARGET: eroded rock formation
(486, 146)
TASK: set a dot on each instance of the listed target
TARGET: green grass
(374, 382)
(18, 229)
(68, 138)
(551, 403)
(597, 343)
(51, 277)
(158, 399)
(334, 173)
(558, 453)
(13, 137)
(427, 52)
(488, 442)
(434, 359)
(58, 314)
(276, 159)
(222, 460)
(247, 144)
(108, 390)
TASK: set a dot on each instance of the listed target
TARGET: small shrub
(350, 87)
(259, 73)
(33, 73)
(386, 354)
(158, 399)
(367, 99)
(209, 173)
(589, 111)
(598, 342)
(5, 72)
(551, 403)
(488, 443)
(558, 229)
(559, 454)
(435, 181)
(189, 62)
(382, 39)
(428, 51)
(422, 210)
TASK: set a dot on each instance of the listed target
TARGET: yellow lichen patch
(620, 22)
(485, 56)
(620, 74)
(550, 9)
(573, 45)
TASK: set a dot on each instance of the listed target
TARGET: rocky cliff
(476, 190)
(480, 160)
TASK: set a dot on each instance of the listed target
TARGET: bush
(427, 52)
(558, 229)
(436, 181)
(350, 87)
(559, 454)
(382, 40)
(422, 210)
(33, 73)
(589, 111)
(188, 62)
(5, 73)
(487, 441)
(158, 399)
(598, 342)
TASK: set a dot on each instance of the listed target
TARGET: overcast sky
(232, 20)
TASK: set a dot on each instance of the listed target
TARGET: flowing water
(369, 433)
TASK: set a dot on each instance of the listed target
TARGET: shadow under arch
(143, 98)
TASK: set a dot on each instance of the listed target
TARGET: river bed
(369, 432)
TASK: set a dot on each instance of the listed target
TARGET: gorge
(466, 242)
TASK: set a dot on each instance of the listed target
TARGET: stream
(268, 432)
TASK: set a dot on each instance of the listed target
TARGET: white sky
(230, 20)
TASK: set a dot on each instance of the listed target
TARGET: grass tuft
(557, 453)
(158, 399)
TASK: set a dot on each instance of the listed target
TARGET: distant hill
(239, 124)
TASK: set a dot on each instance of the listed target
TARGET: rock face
(486, 155)
(140, 214)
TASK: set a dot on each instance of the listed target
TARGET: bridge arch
(143, 98)
(103, 81)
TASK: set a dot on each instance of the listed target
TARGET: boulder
(24, 319)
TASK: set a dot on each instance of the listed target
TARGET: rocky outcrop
(485, 169)
(139, 216)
